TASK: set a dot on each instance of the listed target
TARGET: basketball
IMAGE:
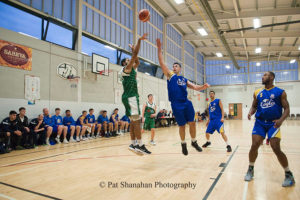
(144, 15)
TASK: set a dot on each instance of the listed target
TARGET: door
(235, 110)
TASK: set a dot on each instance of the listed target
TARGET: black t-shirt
(9, 126)
(35, 122)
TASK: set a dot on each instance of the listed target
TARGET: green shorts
(149, 123)
(132, 105)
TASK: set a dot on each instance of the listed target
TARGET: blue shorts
(215, 125)
(184, 112)
(263, 128)
(55, 128)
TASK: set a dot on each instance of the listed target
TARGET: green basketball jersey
(149, 110)
(129, 84)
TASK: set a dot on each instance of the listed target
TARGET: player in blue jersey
(59, 127)
(91, 120)
(48, 124)
(267, 105)
(216, 120)
(69, 122)
(183, 109)
(81, 122)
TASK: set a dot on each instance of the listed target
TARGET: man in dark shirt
(23, 123)
(37, 128)
(10, 127)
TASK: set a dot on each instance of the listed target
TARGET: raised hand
(206, 85)
(131, 47)
(158, 43)
(144, 37)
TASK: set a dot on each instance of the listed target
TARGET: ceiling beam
(242, 15)
(252, 58)
(250, 48)
(248, 34)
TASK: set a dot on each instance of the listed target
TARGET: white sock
(133, 142)
(194, 140)
(251, 163)
(183, 141)
(287, 169)
(227, 143)
(140, 142)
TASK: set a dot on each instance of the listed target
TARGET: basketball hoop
(73, 80)
(104, 72)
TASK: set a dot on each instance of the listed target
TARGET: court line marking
(41, 158)
(219, 175)
(245, 191)
(55, 147)
(6, 197)
(30, 191)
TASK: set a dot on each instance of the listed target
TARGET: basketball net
(104, 72)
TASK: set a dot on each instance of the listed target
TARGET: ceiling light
(202, 31)
(219, 54)
(179, 1)
(227, 66)
(258, 50)
(258, 64)
(285, 73)
(256, 23)
(108, 47)
(292, 61)
(299, 48)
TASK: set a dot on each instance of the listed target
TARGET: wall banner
(15, 55)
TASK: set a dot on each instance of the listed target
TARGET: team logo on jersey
(212, 109)
(181, 82)
(272, 96)
(261, 94)
(267, 103)
(58, 120)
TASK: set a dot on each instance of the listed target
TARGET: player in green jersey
(148, 116)
(130, 97)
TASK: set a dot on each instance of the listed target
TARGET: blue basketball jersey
(57, 120)
(215, 112)
(90, 118)
(80, 118)
(268, 103)
(177, 88)
(116, 118)
(67, 120)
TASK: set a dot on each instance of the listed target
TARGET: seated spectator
(81, 123)
(116, 121)
(172, 118)
(126, 122)
(160, 117)
(59, 127)
(11, 128)
(48, 125)
(27, 140)
(91, 120)
(69, 122)
(37, 128)
(106, 124)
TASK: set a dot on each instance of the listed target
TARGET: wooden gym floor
(78, 170)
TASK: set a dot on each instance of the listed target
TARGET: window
(147, 68)
(59, 35)
(90, 46)
(24, 23)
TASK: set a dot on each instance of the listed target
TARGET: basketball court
(69, 54)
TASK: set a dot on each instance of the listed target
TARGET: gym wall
(92, 91)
